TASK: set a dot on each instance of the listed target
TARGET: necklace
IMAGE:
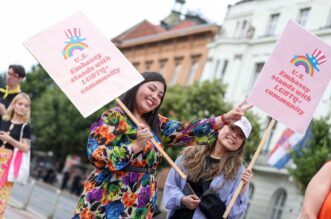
(11, 126)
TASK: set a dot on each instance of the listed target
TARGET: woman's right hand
(143, 135)
(191, 201)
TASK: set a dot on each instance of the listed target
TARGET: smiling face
(230, 138)
(149, 97)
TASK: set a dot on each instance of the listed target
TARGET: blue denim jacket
(174, 185)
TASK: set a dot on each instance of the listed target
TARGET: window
(257, 69)
(136, 65)
(148, 65)
(250, 197)
(328, 21)
(243, 29)
(236, 30)
(225, 65)
(216, 68)
(272, 25)
(193, 69)
(279, 204)
(303, 16)
(176, 71)
(162, 63)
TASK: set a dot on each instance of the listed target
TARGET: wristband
(223, 120)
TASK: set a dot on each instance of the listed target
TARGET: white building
(246, 39)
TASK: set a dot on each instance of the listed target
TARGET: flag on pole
(289, 140)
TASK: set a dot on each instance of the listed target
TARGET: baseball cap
(244, 125)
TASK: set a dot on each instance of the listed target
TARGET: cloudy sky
(21, 19)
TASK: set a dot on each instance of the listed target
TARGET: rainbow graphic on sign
(309, 63)
(75, 43)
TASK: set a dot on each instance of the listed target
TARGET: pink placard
(293, 80)
(88, 68)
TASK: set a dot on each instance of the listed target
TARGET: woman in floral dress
(123, 183)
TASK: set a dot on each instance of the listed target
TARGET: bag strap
(21, 134)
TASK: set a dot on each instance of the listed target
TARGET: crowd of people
(123, 182)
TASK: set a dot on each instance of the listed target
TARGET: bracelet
(223, 120)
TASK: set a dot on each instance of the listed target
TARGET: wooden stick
(250, 166)
(159, 148)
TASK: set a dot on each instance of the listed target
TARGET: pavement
(15, 212)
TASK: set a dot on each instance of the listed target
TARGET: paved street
(13, 212)
(40, 201)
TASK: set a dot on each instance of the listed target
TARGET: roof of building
(168, 35)
(144, 28)
(171, 26)
(243, 1)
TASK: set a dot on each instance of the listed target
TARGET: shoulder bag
(19, 169)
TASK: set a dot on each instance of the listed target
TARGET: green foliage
(37, 82)
(313, 155)
(3, 80)
(202, 100)
(56, 124)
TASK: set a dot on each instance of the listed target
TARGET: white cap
(244, 125)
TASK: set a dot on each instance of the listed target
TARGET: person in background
(77, 181)
(123, 183)
(16, 117)
(66, 177)
(14, 77)
(317, 200)
(218, 167)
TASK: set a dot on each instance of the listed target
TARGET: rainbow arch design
(70, 48)
(304, 62)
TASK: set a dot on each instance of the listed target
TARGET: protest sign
(293, 80)
(87, 66)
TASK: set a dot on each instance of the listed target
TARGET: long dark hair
(129, 99)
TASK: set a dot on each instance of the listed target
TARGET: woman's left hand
(246, 177)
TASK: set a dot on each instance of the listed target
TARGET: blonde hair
(194, 162)
(10, 111)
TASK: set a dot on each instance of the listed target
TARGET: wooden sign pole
(160, 149)
(250, 166)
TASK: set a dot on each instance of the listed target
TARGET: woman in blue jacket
(219, 166)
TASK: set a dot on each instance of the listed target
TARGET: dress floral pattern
(112, 193)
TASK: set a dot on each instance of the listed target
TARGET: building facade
(177, 48)
(245, 42)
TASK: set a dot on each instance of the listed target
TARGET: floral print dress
(112, 193)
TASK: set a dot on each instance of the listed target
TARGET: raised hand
(237, 112)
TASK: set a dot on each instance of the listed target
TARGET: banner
(293, 80)
(87, 67)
